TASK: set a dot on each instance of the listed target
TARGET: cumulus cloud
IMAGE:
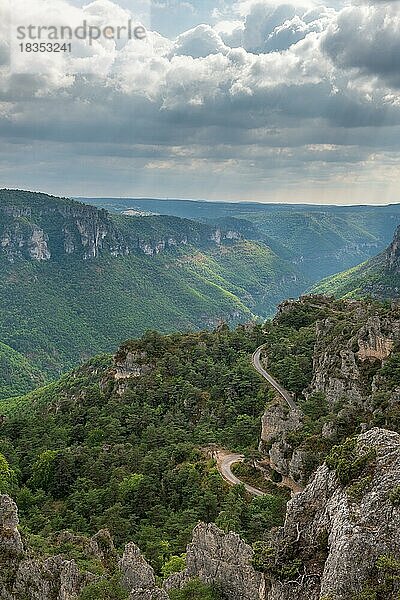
(288, 87)
(199, 42)
(366, 39)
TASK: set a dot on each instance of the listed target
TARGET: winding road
(225, 461)
(287, 396)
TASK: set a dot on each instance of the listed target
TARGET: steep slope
(17, 375)
(318, 240)
(76, 281)
(341, 359)
(333, 545)
(378, 277)
(125, 443)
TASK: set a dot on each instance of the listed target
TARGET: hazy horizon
(228, 100)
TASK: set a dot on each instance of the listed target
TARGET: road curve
(225, 462)
(287, 396)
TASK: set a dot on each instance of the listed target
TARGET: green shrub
(357, 490)
(104, 589)
(347, 462)
(266, 560)
(175, 564)
(7, 476)
(394, 496)
(195, 590)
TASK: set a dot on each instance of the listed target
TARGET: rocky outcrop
(10, 538)
(137, 576)
(277, 422)
(102, 546)
(338, 538)
(337, 370)
(40, 228)
(222, 559)
(376, 339)
(392, 254)
(351, 346)
(132, 364)
(136, 573)
(25, 241)
(25, 578)
(53, 578)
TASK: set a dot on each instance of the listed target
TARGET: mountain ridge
(318, 240)
(76, 281)
(125, 444)
(378, 277)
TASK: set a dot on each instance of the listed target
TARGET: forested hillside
(318, 240)
(123, 444)
(17, 373)
(126, 442)
(76, 281)
(378, 277)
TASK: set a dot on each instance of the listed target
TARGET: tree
(175, 564)
(7, 476)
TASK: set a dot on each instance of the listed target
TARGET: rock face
(40, 228)
(10, 538)
(53, 578)
(376, 339)
(277, 422)
(137, 576)
(136, 573)
(223, 559)
(23, 578)
(339, 536)
(338, 369)
(132, 364)
(337, 540)
(393, 253)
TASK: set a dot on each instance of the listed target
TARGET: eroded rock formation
(41, 228)
(340, 538)
(222, 559)
(340, 541)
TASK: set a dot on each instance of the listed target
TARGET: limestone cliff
(223, 559)
(339, 369)
(41, 228)
(393, 253)
(351, 346)
(341, 534)
(340, 540)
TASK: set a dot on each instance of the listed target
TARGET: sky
(242, 100)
